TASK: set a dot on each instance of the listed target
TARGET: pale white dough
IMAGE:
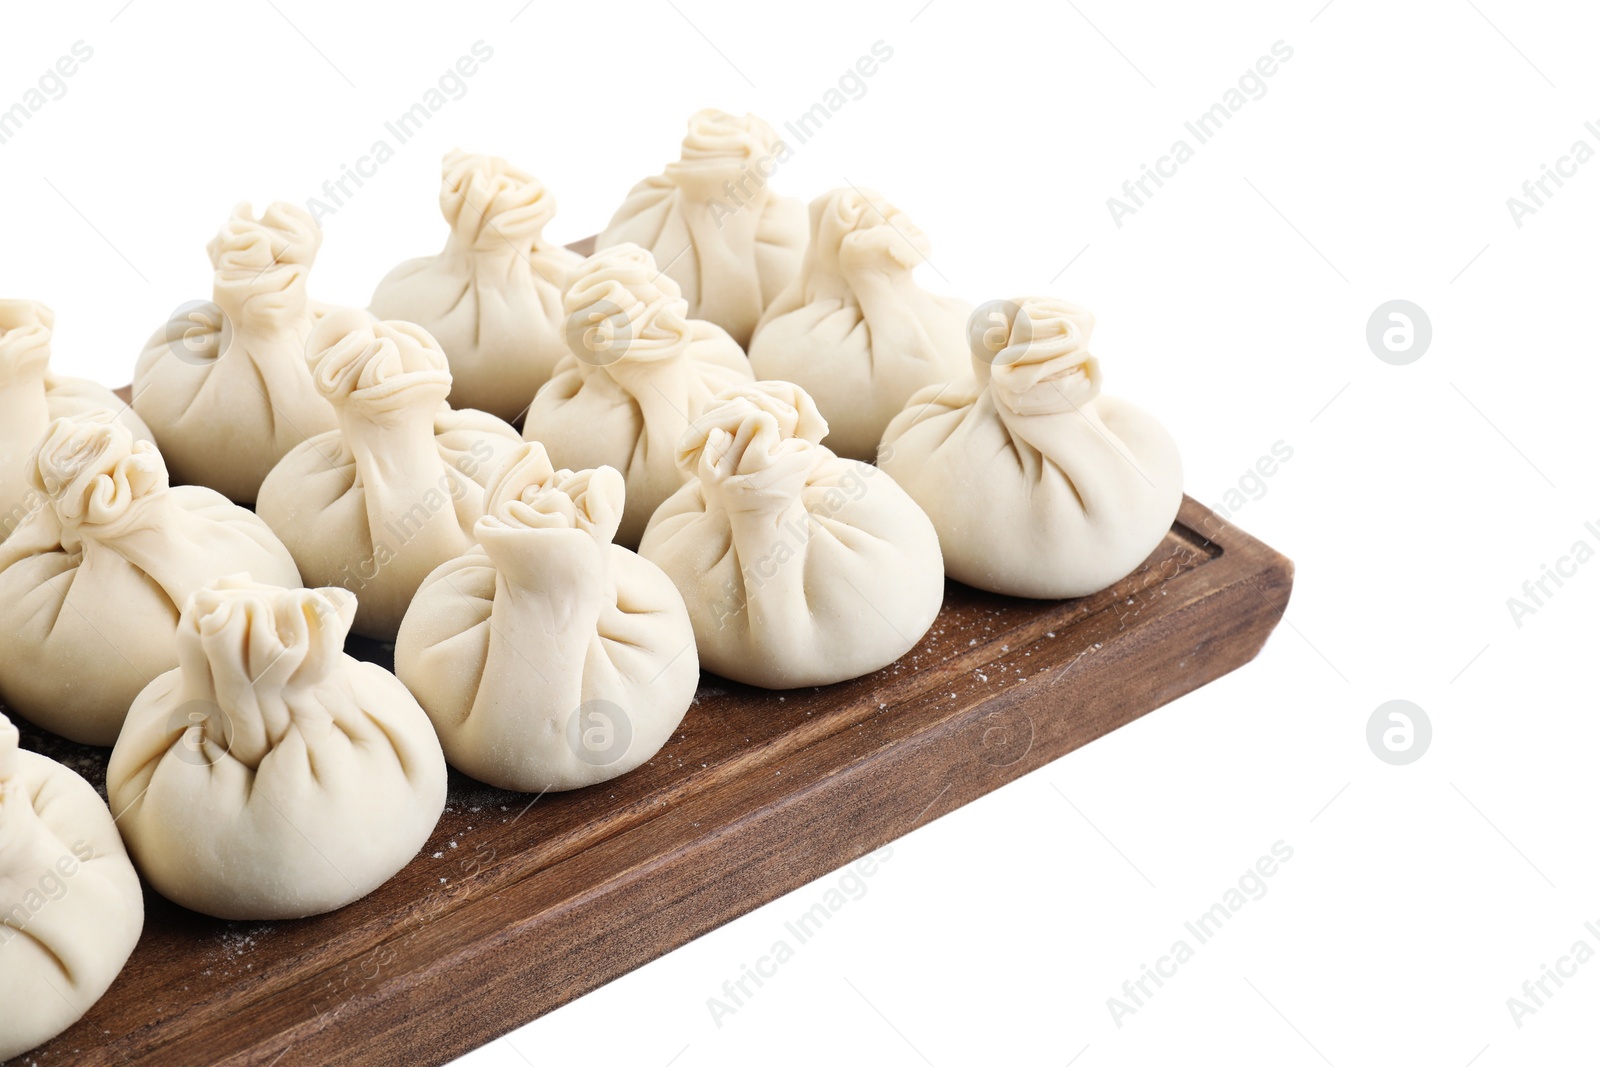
(92, 582)
(639, 370)
(30, 397)
(798, 567)
(854, 329)
(492, 298)
(71, 909)
(548, 657)
(711, 219)
(377, 503)
(271, 776)
(224, 383)
(1039, 485)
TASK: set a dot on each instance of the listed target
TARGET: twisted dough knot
(493, 204)
(1037, 352)
(284, 236)
(527, 492)
(749, 428)
(92, 471)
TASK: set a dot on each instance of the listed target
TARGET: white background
(1234, 304)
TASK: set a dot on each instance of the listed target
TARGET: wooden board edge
(626, 914)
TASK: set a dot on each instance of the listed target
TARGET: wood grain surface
(520, 904)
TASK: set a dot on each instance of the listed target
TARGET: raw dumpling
(376, 504)
(224, 383)
(549, 658)
(724, 236)
(70, 905)
(91, 584)
(30, 397)
(854, 329)
(798, 567)
(1038, 485)
(492, 298)
(271, 776)
(640, 369)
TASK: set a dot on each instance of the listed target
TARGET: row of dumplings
(701, 404)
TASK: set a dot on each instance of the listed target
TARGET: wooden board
(516, 907)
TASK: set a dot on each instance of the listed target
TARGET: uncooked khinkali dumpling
(549, 658)
(271, 776)
(719, 230)
(640, 369)
(492, 298)
(798, 567)
(30, 397)
(224, 383)
(92, 583)
(376, 504)
(70, 905)
(1038, 485)
(854, 329)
